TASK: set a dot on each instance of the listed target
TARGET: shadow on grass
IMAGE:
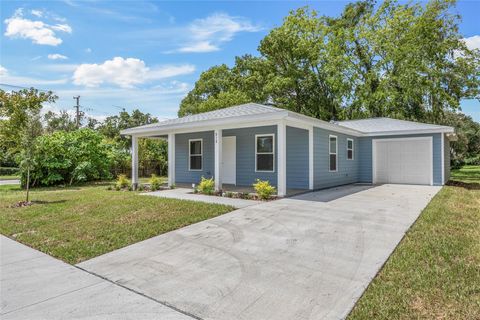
(48, 202)
(465, 185)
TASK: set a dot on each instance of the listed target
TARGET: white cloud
(3, 71)
(472, 42)
(57, 56)
(125, 73)
(37, 13)
(206, 35)
(38, 31)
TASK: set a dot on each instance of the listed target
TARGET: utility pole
(78, 110)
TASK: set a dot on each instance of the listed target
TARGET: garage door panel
(403, 161)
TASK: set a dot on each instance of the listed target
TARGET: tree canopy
(405, 61)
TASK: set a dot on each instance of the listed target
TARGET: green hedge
(8, 171)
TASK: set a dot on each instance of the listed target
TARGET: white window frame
(190, 155)
(353, 149)
(272, 153)
(330, 153)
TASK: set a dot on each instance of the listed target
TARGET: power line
(19, 87)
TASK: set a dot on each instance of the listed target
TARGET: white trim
(171, 159)
(374, 154)
(218, 141)
(443, 158)
(134, 162)
(189, 154)
(408, 132)
(282, 159)
(310, 159)
(353, 148)
(330, 153)
(272, 153)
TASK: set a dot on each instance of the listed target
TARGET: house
(239, 144)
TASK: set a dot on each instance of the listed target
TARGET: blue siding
(446, 150)
(347, 170)
(182, 174)
(366, 156)
(246, 174)
(297, 158)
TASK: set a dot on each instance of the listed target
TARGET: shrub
(264, 189)
(122, 181)
(206, 186)
(69, 157)
(155, 182)
(141, 188)
(8, 171)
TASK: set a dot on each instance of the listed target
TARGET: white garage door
(406, 160)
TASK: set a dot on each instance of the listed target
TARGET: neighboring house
(239, 144)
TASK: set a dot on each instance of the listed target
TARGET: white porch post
(310, 158)
(218, 159)
(171, 159)
(134, 162)
(282, 159)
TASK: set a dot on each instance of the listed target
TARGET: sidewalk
(37, 286)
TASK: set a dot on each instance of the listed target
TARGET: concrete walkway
(36, 286)
(186, 194)
(306, 257)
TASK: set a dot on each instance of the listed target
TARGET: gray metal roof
(376, 125)
(230, 112)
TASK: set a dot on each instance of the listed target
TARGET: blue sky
(144, 54)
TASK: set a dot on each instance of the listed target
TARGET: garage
(403, 160)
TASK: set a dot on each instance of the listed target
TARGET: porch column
(134, 162)
(282, 159)
(171, 159)
(310, 158)
(218, 159)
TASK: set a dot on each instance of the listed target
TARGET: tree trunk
(28, 183)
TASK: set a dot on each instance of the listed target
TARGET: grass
(78, 223)
(9, 177)
(434, 273)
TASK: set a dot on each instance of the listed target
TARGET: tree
(31, 131)
(16, 110)
(404, 61)
(61, 121)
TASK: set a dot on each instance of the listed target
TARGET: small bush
(155, 182)
(264, 189)
(229, 194)
(206, 186)
(9, 171)
(122, 181)
(117, 188)
(130, 188)
(141, 188)
(109, 188)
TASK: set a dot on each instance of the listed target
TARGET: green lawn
(9, 177)
(435, 271)
(78, 223)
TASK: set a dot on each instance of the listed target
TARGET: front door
(229, 160)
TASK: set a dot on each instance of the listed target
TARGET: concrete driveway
(307, 257)
(36, 286)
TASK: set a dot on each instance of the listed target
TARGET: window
(333, 153)
(195, 154)
(264, 152)
(349, 149)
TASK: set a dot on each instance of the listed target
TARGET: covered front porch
(236, 155)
